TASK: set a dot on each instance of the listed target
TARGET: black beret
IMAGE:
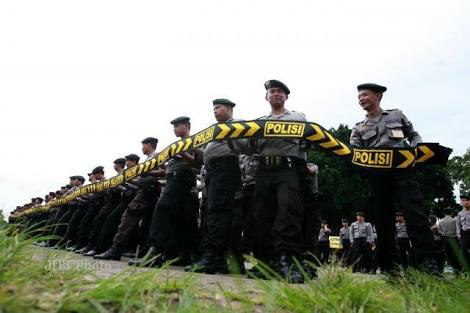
(465, 195)
(371, 86)
(58, 193)
(120, 161)
(360, 214)
(399, 214)
(80, 178)
(150, 140)
(223, 101)
(133, 157)
(40, 199)
(181, 119)
(68, 186)
(344, 220)
(52, 193)
(276, 84)
(98, 169)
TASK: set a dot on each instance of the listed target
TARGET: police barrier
(372, 159)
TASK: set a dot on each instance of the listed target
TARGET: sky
(83, 82)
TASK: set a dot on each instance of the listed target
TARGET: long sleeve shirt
(463, 221)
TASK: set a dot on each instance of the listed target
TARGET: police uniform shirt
(217, 149)
(344, 233)
(389, 129)
(401, 230)
(324, 235)
(448, 226)
(361, 230)
(248, 166)
(463, 221)
(284, 146)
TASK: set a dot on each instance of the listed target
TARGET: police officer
(141, 207)
(173, 231)
(324, 242)
(463, 229)
(403, 241)
(391, 128)
(362, 238)
(278, 207)
(448, 227)
(128, 191)
(222, 180)
(344, 236)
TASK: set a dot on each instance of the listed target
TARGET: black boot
(111, 254)
(92, 252)
(210, 263)
(289, 270)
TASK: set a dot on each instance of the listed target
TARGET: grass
(28, 285)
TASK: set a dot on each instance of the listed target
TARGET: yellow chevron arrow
(318, 135)
(173, 148)
(238, 129)
(428, 153)
(344, 150)
(253, 129)
(180, 146)
(189, 141)
(329, 144)
(224, 132)
(410, 157)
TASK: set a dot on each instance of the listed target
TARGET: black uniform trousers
(278, 212)
(361, 255)
(100, 219)
(404, 188)
(453, 253)
(344, 252)
(111, 224)
(222, 180)
(74, 223)
(86, 225)
(324, 251)
(405, 251)
(140, 207)
(465, 246)
(173, 228)
(242, 235)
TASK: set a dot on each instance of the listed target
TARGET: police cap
(276, 84)
(465, 195)
(98, 170)
(120, 161)
(180, 119)
(399, 214)
(68, 186)
(360, 214)
(151, 140)
(223, 101)
(133, 157)
(371, 86)
(344, 220)
(40, 199)
(80, 178)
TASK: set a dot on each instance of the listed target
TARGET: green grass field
(27, 285)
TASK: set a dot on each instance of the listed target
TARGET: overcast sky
(83, 82)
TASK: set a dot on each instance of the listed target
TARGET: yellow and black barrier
(372, 159)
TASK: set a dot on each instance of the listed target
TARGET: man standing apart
(390, 128)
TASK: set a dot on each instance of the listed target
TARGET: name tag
(397, 133)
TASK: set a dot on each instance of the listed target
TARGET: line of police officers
(259, 196)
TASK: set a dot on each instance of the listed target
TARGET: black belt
(222, 161)
(180, 172)
(278, 161)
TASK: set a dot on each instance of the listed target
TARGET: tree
(459, 169)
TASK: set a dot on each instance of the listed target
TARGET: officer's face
(147, 148)
(276, 96)
(369, 99)
(222, 112)
(466, 203)
(181, 129)
(99, 176)
(360, 218)
(399, 218)
(130, 163)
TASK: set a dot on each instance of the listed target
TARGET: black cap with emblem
(151, 140)
(276, 84)
(133, 157)
(120, 161)
(180, 119)
(223, 101)
(371, 86)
